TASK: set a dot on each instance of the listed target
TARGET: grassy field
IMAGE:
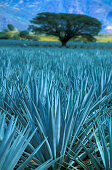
(101, 38)
(47, 38)
(105, 39)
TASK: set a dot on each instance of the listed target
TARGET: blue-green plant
(59, 92)
(13, 143)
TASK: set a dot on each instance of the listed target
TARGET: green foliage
(4, 35)
(32, 37)
(16, 36)
(86, 38)
(24, 34)
(66, 26)
(5, 30)
(11, 27)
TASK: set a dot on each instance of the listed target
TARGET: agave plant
(104, 138)
(96, 143)
(59, 95)
(61, 126)
(13, 143)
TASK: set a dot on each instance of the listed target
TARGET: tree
(24, 34)
(88, 38)
(65, 26)
(11, 27)
(5, 30)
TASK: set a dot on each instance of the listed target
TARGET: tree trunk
(64, 43)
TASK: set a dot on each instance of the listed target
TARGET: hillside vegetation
(42, 37)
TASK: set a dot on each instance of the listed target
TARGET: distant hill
(19, 12)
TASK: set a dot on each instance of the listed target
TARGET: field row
(74, 45)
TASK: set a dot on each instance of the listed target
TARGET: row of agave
(77, 45)
(56, 120)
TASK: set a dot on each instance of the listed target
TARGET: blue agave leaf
(12, 145)
(48, 164)
(2, 127)
(30, 157)
(110, 141)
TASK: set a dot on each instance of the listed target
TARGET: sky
(19, 12)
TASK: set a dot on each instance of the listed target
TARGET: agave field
(53, 44)
(55, 108)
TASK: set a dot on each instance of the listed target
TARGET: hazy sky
(19, 12)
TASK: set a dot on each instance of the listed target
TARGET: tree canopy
(11, 27)
(24, 34)
(65, 26)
